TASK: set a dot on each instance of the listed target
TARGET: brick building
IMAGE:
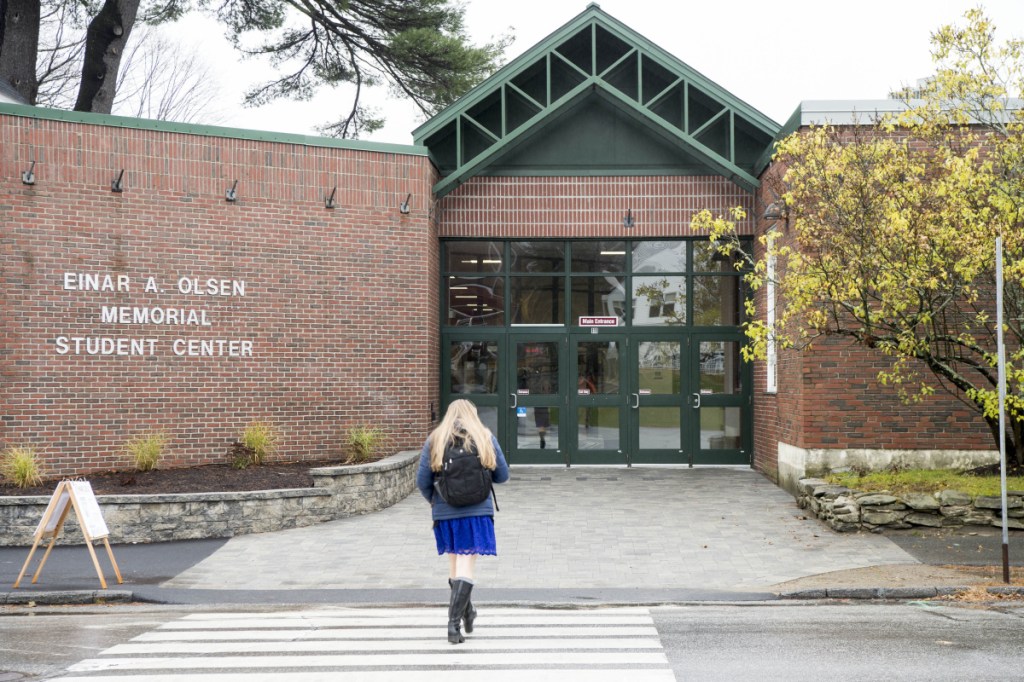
(530, 252)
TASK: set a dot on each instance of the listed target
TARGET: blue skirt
(470, 535)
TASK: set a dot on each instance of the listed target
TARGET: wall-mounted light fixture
(403, 208)
(232, 193)
(777, 210)
(329, 201)
(29, 177)
(627, 220)
(117, 184)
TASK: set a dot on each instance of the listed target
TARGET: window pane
(599, 256)
(474, 366)
(598, 428)
(537, 368)
(716, 300)
(538, 300)
(720, 428)
(473, 256)
(597, 367)
(659, 300)
(538, 430)
(489, 416)
(720, 367)
(538, 256)
(475, 301)
(658, 367)
(706, 258)
(659, 428)
(659, 256)
(598, 296)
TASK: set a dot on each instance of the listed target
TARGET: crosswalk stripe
(534, 675)
(232, 623)
(435, 644)
(455, 658)
(387, 612)
(487, 631)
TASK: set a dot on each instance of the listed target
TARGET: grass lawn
(925, 481)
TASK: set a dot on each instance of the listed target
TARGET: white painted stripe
(439, 643)
(454, 659)
(533, 675)
(385, 612)
(484, 631)
(232, 623)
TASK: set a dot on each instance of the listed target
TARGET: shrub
(362, 441)
(146, 451)
(259, 439)
(20, 466)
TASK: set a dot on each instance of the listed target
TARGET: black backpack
(462, 480)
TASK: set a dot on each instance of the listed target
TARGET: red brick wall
(340, 305)
(586, 206)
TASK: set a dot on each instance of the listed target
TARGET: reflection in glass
(489, 416)
(538, 256)
(659, 300)
(720, 367)
(538, 429)
(658, 367)
(599, 296)
(659, 428)
(597, 367)
(716, 300)
(537, 300)
(720, 428)
(537, 368)
(706, 258)
(654, 256)
(475, 301)
(474, 366)
(598, 428)
(599, 256)
(473, 256)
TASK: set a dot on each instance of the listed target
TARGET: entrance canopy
(596, 98)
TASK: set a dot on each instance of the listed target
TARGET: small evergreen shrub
(20, 466)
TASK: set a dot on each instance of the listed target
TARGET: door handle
(637, 403)
(515, 401)
(696, 403)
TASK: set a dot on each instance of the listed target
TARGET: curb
(65, 597)
(893, 592)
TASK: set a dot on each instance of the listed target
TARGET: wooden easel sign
(90, 519)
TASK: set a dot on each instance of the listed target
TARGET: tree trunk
(19, 45)
(104, 45)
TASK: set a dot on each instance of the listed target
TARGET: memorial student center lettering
(529, 251)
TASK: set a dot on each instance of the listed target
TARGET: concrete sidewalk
(640, 534)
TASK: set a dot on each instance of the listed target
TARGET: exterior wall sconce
(29, 177)
(232, 193)
(777, 210)
(329, 201)
(628, 220)
(117, 184)
(403, 208)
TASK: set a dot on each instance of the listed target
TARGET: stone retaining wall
(844, 509)
(337, 492)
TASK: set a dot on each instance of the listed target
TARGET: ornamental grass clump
(362, 441)
(259, 441)
(20, 466)
(146, 451)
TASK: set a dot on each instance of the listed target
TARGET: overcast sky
(772, 55)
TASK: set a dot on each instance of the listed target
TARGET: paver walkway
(648, 528)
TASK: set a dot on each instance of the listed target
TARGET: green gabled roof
(595, 69)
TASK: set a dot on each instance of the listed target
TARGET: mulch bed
(209, 478)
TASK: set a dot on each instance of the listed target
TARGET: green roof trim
(26, 111)
(594, 55)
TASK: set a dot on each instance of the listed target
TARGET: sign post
(1001, 362)
(77, 495)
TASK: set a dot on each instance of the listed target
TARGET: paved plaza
(716, 528)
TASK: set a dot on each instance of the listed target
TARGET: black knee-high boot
(456, 608)
(469, 616)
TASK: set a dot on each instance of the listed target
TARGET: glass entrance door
(597, 412)
(659, 424)
(719, 405)
(537, 396)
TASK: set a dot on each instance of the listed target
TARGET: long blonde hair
(461, 421)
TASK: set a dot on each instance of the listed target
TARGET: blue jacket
(440, 509)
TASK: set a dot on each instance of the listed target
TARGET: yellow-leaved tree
(891, 231)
